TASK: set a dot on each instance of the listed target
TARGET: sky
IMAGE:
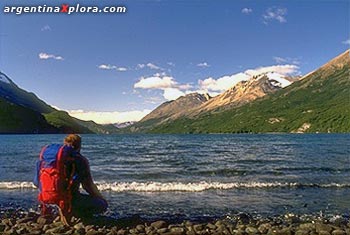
(117, 67)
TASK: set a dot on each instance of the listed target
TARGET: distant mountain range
(317, 102)
(23, 112)
(266, 103)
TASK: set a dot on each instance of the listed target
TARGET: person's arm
(91, 188)
(86, 179)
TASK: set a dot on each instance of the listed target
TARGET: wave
(182, 187)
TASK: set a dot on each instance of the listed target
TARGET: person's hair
(73, 140)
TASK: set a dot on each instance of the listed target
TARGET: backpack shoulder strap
(42, 152)
(59, 157)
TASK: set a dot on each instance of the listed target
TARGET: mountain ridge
(319, 102)
(24, 112)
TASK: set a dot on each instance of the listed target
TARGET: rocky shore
(23, 222)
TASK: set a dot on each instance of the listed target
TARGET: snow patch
(4, 79)
(278, 80)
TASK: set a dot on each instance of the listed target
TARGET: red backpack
(54, 176)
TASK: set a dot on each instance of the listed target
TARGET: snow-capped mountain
(14, 94)
(245, 92)
(123, 124)
(4, 79)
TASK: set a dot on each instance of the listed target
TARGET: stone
(121, 232)
(35, 232)
(280, 231)
(191, 232)
(79, 226)
(69, 232)
(302, 232)
(2, 227)
(149, 229)
(24, 220)
(88, 227)
(10, 231)
(324, 232)
(188, 223)
(251, 230)
(133, 231)
(9, 222)
(218, 223)
(307, 227)
(264, 228)
(42, 220)
(211, 226)
(159, 224)
(140, 228)
(58, 229)
(46, 227)
(239, 232)
(21, 230)
(338, 232)
(92, 232)
(323, 227)
(177, 230)
(198, 227)
(162, 230)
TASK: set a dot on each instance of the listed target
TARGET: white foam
(4, 79)
(180, 187)
(184, 187)
(16, 185)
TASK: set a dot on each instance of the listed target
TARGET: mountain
(170, 110)
(16, 119)
(12, 93)
(193, 105)
(24, 112)
(244, 92)
(123, 124)
(319, 102)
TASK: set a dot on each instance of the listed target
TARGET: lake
(197, 176)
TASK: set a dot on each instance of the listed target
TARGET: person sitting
(84, 204)
(61, 170)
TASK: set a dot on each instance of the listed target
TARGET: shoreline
(18, 221)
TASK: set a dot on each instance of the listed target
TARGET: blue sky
(117, 67)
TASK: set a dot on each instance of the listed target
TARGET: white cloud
(171, 89)
(106, 66)
(172, 93)
(110, 67)
(275, 13)
(247, 10)
(45, 56)
(122, 69)
(346, 42)
(279, 59)
(286, 69)
(46, 28)
(221, 84)
(282, 60)
(149, 65)
(171, 64)
(109, 117)
(155, 82)
(140, 66)
(153, 66)
(203, 65)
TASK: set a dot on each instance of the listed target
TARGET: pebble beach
(15, 221)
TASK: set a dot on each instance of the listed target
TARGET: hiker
(60, 172)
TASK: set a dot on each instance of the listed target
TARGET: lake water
(196, 176)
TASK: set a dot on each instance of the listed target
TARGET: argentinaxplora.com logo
(63, 8)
